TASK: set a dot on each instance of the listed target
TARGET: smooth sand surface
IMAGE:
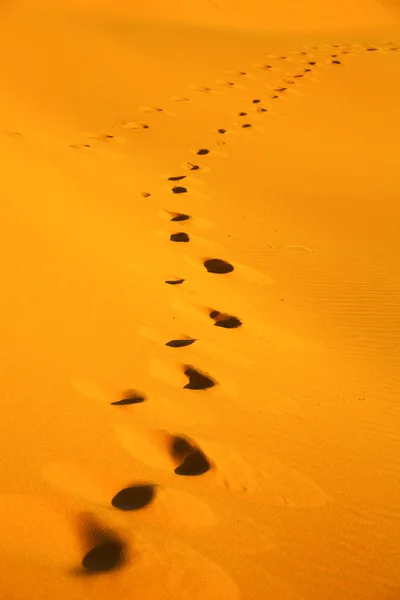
(200, 314)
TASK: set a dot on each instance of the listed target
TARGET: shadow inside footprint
(218, 266)
(179, 237)
(221, 130)
(242, 114)
(180, 343)
(177, 178)
(197, 380)
(336, 62)
(107, 552)
(130, 397)
(226, 321)
(192, 460)
(180, 217)
(195, 464)
(105, 557)
(174, 281)
(202, 151)
(179, 190)
(134, 497)
(246, 125)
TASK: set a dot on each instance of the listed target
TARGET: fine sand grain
(200, 307)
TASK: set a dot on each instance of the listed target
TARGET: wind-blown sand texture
(200, 307)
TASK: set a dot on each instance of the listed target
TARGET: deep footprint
(218, 266)
(202, 151)
(195, 464)
(179, 237)
(226, 321)
(192, 460)
(179, 190)
(180, 343)
(130, 397)
(105, 557)
(197, 380)
(177, 178)
(134, 497)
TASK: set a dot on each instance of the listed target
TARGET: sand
(200, 315)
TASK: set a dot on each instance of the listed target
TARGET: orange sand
(287, 481)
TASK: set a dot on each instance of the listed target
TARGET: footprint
(224, 320)
(218, 266)
(195, 464)
(179, 237)
(145, 194)
(180, 99)
(261, 109)
(336, 62)
(243, 114)
(174, 281)
(281, 89)
(197, 379)
(135, 125)
(134, 497)
(107, 551)
(193, 461)
(130, 397)
(180, 343)
(177, 178)
(202, 151)
(177, 189)
(191, 167)
(201, 88)
(149, 109)
(372, 49)
(221, 131)
(107, 394)
(246, 125)
(263, 66)
(179, 217)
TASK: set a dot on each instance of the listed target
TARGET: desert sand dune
(200, 315)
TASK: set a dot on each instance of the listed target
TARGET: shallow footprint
(179, 189)
(174, 281)
(180, 343)
(226, 321)
(177, 178)
(179, 237)
(179, 217)
(130, 397)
